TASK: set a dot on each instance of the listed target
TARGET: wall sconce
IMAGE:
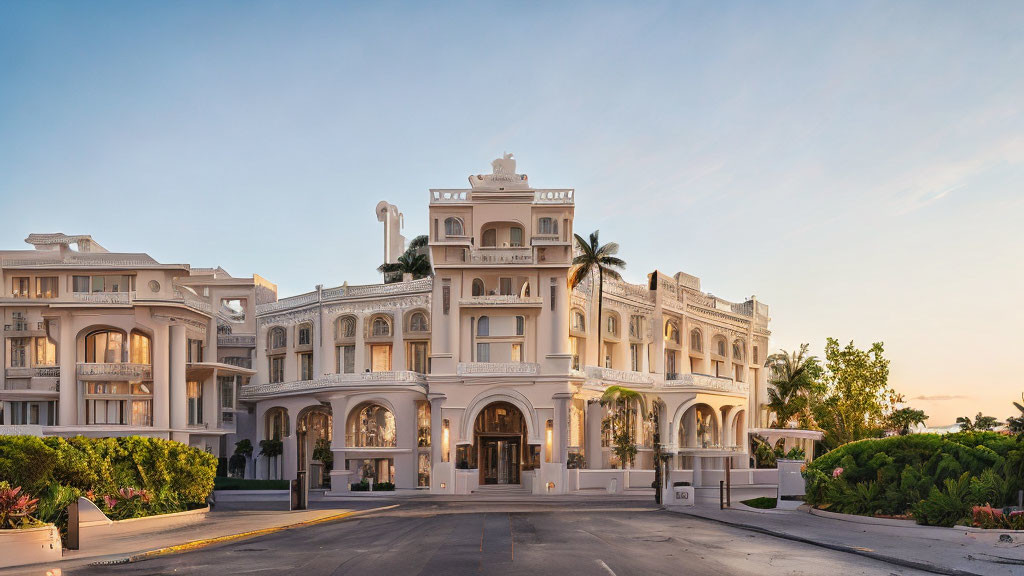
(549, 435)
(551, 486)
(445, 435)
(443, 486)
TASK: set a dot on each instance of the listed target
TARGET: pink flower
(110, 501)
(837, 472)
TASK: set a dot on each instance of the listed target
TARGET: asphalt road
(455, 538)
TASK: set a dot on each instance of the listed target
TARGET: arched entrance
(500, 443)
(313, 438)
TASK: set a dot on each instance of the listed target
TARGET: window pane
(381, 356)
(483, 352)
(80, 283)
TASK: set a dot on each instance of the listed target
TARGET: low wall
(94, 525)
(29, 546)
(221, 496)
(614, 481)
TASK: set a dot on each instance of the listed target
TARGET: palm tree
(1016, 424)
(602, 258)
(981, 423)
(791, 381)
(622, 401)
(412, 261)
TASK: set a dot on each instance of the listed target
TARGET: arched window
(737, 350)
(547, 226)
(380, 327)
(483, 326)
(478, 287)
(418, 322)
(106, 347)
(579, 321)
(515, 236)
(346, 327)
(720, 346)
(672, 332)
(613, 324)
(371, 426)
(696, 341)
(141, 348)
(277, 338)
(304, 334)
(276, 424)
(453, 227)
(489, 238)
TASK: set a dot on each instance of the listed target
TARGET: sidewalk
(938, 550)
(218, 526)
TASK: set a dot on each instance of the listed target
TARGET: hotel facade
(484, 376)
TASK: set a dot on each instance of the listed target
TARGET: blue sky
(858, 166)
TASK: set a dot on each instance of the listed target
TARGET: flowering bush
(837, 473)
(989, 517)
(15, 507)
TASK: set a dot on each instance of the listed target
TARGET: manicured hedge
(936, 479)
(225, 483)
(126, 477)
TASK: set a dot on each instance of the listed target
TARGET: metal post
(73, 534)
(721, 494)
(728, 482)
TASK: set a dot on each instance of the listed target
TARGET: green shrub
(27, 462)
(763, 503)
(936, 478)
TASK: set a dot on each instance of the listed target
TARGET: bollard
(73, 527)
(728, 482)
(721, 494)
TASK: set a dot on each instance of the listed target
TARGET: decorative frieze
(608, 374)
(704, 382)
(114, 371)
(497, 368)
(402, 377)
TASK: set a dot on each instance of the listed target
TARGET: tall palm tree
(622, 402)
(790, 384)
(602, 258)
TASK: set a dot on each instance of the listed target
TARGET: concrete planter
(994, 536)
(29, 546)
(866, 519)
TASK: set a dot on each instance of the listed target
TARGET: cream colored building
(110, 344)
(485, 376)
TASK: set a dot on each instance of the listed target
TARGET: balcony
(114, 371)
(620, 376)
(497, 369)
(450, 196)
(116, 298)
(706, 383)
(236, 340)
(554, 196)
(522, 255)
(393, 377)
(36, 372)
(497, 301)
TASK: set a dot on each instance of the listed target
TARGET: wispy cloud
(940, 397)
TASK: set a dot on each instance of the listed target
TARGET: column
(361, 352)
(161, 378)
(561, 428)
(697, 471)
(437, 432)
(178, 401)
(405, 434)
(398, 342)
(339, 475)
(211, 340)
(68, 409)
(594, 455)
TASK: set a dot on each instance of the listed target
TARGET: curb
(837, 547)
(203, 543)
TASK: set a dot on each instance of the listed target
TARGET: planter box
(29, 546)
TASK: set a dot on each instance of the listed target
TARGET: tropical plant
(623, 403)
(854, 390)
(15, 506)
(792, 377)
(764, 455)
(602, 258)
(412, 261)
(271, 448)
(322, 452)
(946, 507)
(901, 420)
(238, 460)
(1016, 423)
(795, 453)
(980, 423)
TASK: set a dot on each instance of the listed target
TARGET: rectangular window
(227, 392)
(97, 283)
(46, 287)
(418, 357)
(19, 352)
(276, 369)
(194, 392)
(574, 348)
(46, 352)
(520, 325)
(515, 237)
(195, 350)
(505, 286)
(517, 352)
(20, 287)
(305, 336)
(446, 296)
(483, 352)
(79, 284)
(305, 366)
(635, 356)
(380, 358)
(346, 359)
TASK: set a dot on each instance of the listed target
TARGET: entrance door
(499, 460)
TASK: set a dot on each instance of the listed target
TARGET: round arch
(500, 395)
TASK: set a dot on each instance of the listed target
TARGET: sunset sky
(857, 166)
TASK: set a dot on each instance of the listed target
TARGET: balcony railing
(553, 196)
(236, 340)
(401, 377)
(501, 300)
(114, 371)
(35, 372)
(608, 374)
(103, 297)
(706, 382)
(497, 368)
(501, 256)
